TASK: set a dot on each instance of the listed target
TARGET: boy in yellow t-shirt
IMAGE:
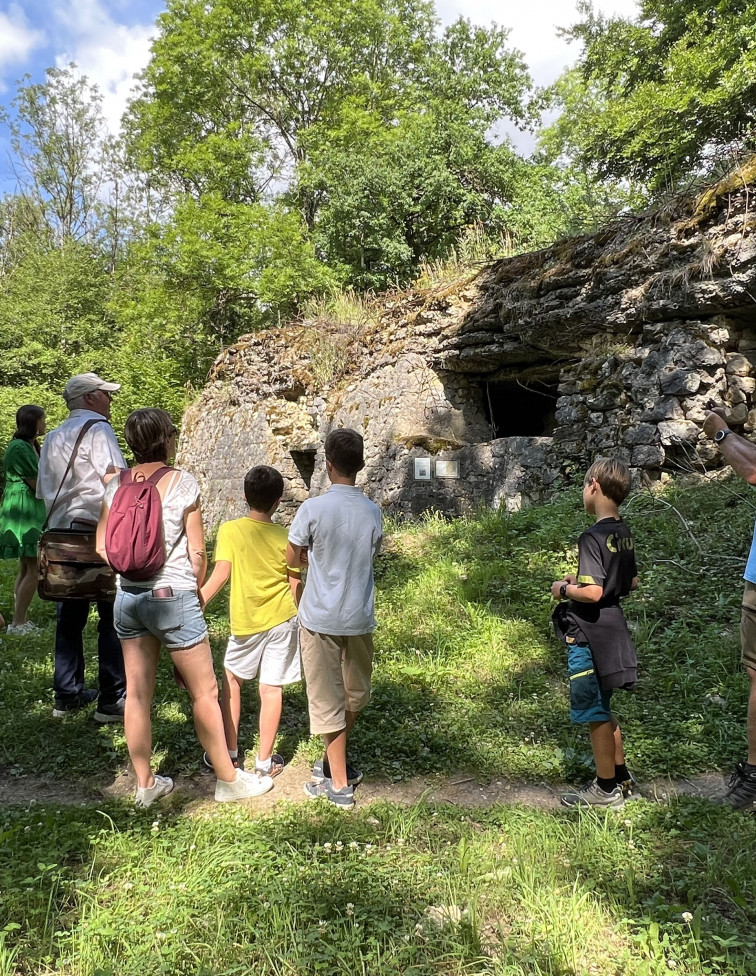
(263, 609)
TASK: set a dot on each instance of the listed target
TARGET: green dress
(21, 513)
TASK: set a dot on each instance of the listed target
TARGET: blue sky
(110, 41)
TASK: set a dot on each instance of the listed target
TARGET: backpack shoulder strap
(77, 444)
(157, 475)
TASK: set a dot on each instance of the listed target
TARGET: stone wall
(633, 331)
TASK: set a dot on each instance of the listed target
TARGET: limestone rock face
(611, 344)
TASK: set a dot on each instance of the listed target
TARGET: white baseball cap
(83, 383)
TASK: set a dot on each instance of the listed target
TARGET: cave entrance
(521, 407)
(305, 464)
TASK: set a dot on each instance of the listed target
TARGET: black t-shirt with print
(606, 558)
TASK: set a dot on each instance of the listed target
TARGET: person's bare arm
(582, 593)
(295, 585)
(294, 558)
(738, 452)
(634, 584)
(195, 537)
(217, 580)
(100, 534)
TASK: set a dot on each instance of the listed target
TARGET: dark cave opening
(521, 408)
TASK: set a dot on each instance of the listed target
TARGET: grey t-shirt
(342, 532)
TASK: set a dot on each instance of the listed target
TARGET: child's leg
(604, 748)
(619, 748)
(336, 750)
(271, 704)
(231, 708)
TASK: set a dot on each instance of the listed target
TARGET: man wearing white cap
(79, 500)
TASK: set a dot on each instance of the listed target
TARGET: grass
(467, 678)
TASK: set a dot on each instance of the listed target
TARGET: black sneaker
(111, 714)
(238, 761)
(741, 790)
(321, 770)
(84, 698)
(629, 787)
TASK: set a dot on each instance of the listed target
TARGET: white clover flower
(327, 846)
(687, 917)
(401, 842)
(353, 845)
(368, 847)
(671, 964)
(192, 847)
(350, 908)
(339, 845)
(128, 885)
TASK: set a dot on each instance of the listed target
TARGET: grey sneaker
(321, 770)
(343, 798)
(245, 786)
(741, 790)
(146, 795)
(111, 714)
(593, 796)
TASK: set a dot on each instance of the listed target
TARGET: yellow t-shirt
(260, 593)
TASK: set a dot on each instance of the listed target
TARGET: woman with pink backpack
(150, 532)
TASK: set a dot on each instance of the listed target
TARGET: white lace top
(182, 492)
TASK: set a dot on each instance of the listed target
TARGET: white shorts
(272, 655)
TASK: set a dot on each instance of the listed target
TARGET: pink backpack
(134, 539)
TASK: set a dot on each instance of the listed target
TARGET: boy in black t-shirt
(601, 655)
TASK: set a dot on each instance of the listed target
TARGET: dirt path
(461, 789)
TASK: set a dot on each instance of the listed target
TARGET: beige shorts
(337, 671)
(748, 626)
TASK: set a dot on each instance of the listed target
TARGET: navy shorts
(588, 701)
(176, 621)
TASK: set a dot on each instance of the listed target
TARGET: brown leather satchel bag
(69, 567)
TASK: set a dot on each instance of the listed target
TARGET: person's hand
(715, 420)
(556, 587)
(571, 579)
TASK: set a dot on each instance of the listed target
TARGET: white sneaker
(146, 795)
(244, 786)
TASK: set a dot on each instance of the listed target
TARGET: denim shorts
(588, 701)
(176, 621)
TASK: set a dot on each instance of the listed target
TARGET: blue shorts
(176, 621)
(588, 701)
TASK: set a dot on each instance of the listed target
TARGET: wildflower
(687, 917)
(266, 904)
(322, 926)
(339, 845)
(327, 846)
(671, 964)
(192, 847)
(128, 885)
(368, 847)
(627, 823)
(350, 908)
(353, 845)
(160, 936)
(401, 842)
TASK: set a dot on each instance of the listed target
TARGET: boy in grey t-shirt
(341, 530)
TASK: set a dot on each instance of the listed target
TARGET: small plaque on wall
(447, 469)
(422, 469)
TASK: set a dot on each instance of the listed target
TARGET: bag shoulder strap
(77, 444)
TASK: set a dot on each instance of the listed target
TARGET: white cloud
(107, 52)
(17, 38)
(534, 27)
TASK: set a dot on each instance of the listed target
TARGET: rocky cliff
(522, 373)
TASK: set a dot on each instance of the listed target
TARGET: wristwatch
(563, 591)
(721, 434)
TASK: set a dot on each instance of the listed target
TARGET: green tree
(356, 113)
(658, 98)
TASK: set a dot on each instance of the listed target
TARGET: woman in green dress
(22, 514)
